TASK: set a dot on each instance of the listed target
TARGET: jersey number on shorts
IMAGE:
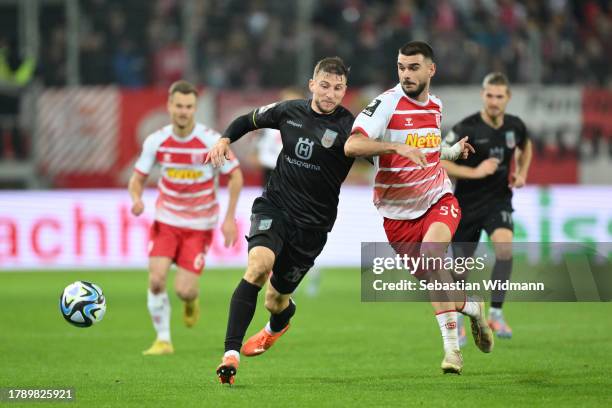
(453, 210)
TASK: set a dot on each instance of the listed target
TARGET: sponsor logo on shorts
(265, 225)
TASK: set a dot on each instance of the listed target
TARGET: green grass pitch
(339, 351)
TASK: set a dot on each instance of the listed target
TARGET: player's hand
(219, 153)
(487, 167)
(466, 148)
(230, 231)
(412, 153)
(517, 181)
(137, 208)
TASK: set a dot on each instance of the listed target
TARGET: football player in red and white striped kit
(186, 211)
(412, 190)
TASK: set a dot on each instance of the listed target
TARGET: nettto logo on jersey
(184, 174)
(430, 140)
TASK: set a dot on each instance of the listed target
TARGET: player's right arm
(359, 145)
(370, 125)
(142, 168)
(135, 188)
(484, 169)
(264, 117)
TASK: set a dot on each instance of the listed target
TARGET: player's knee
(157, 284)
(258, 268)
(186, 293)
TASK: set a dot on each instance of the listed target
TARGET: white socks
(471, 308)
(232, 353)
(448, 327)
(159, 308)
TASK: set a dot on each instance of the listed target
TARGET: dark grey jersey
(312, 165)
(488, 142)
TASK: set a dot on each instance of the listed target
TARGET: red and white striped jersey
(187, 186)
(402, 190)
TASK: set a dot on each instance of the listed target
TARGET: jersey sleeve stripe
(360, 130)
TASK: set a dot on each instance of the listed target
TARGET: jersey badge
(263, 109)
(265, 225)
(329, 137)
(371, 108)
(197, 158)
(510, 139)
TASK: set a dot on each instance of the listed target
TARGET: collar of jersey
(321, 115)
(183, 139)
(410, 99)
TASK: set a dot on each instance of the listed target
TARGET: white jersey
(402, 190)
(187, 196)
(269, 147)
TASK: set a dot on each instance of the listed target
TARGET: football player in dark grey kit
(291, 220)
(484, 183)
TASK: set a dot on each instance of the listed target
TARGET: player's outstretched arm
(484, 169)
(135, 188)
(219, 153)
(238, 128)
(359, 145)
(461, 149)
(229, 228)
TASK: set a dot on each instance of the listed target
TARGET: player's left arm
(234, 186)
(522, 160)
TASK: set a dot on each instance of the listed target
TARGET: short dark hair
(183, 87)
(417, 47)
(332, 65)
(496, 78)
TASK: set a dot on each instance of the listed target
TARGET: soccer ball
(82, 304)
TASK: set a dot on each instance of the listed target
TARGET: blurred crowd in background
(255, 43)
(254, 47)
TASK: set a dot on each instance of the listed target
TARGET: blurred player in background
(186, 210)
(412, 191)
(298, 208)
(484, 184)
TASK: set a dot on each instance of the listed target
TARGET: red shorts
(446, 211)
(186, 247)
